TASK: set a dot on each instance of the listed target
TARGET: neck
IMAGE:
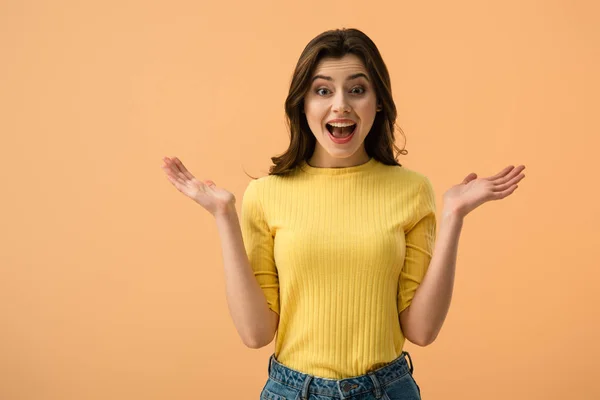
(328, 161)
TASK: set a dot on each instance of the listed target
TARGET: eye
(354, 90)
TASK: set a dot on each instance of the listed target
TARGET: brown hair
(379, 143)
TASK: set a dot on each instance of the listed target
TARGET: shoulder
(266, 182)
(408, 177)
(422, 191)
(265, 186)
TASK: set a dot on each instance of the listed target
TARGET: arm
(423, 319)
(251, 278)
(254, 321)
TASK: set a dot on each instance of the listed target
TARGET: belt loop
(411, 363)
(376, 384)
(305, 385)
(270, 362)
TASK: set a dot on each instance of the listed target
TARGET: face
(341, 90)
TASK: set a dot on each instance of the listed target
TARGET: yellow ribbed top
(338, 253)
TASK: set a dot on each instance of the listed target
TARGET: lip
(342, 120)
(342, 140)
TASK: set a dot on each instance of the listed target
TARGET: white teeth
(341, 124)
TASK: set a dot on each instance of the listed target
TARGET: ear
(379, 108)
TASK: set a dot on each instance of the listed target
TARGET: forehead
(349, 64)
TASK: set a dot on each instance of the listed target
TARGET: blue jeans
(393, 381)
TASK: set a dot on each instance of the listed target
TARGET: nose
(340, 105)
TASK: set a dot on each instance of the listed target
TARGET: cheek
(367, 109)
(368, 103)
(314, 113)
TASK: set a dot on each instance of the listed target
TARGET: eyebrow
(328, 78)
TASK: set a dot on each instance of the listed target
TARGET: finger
(469, 178)
(175, 173)
(168, 161)
(507, 185)
(170, 166)
(166, 167)
(507, 192)
(175, 164)
(176, 179)
(501, 173)
(511, 176)
(183, 169)
(200, 184)
(180, 173)
(175, 182)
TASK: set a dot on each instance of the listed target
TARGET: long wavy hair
(380, 142)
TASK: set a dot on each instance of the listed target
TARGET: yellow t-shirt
(339, 253)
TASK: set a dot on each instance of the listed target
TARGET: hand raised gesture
(473, 191)
(206, 193)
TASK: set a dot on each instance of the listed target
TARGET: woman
(335, 250)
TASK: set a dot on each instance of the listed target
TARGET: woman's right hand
(205, 193)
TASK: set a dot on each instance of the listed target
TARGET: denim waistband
(347, 387)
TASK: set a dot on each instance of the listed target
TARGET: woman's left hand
(472, 192)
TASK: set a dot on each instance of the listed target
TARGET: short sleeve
(420, 241)
(258, 242)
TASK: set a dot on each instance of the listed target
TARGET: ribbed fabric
(339, 253)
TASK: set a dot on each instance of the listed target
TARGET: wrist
(225, 212)
(452, 214)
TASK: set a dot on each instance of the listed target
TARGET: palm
(472, 191)
(205, 193)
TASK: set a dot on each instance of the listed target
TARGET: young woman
(335, 249)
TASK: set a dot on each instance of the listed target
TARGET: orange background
(111, 281)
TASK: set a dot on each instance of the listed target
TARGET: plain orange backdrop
(111, 281)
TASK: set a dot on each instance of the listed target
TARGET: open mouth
(341, 133)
